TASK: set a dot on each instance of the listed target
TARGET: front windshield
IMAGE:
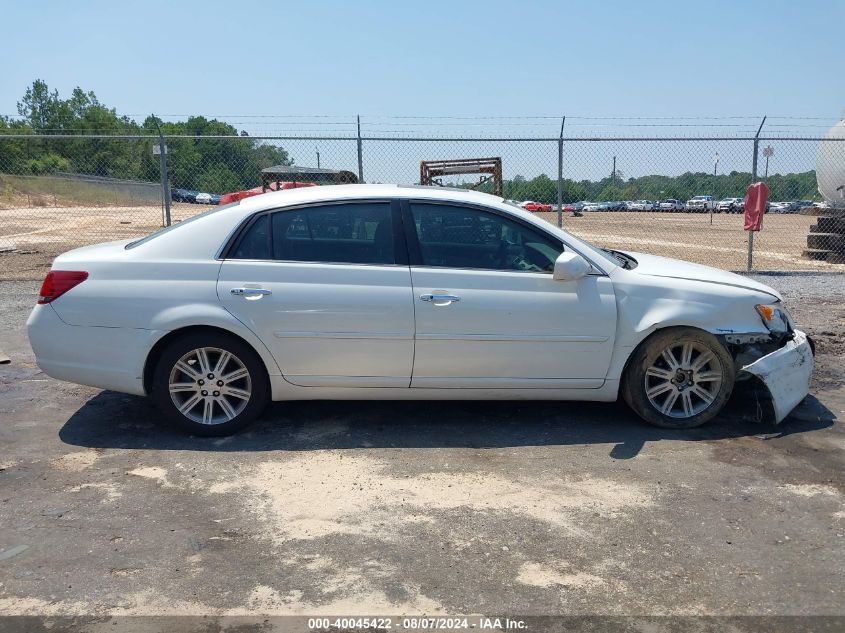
(600, 255)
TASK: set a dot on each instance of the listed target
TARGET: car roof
(327, 193)
(340, 193)
(212, 229)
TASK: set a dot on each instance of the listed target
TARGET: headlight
(775, 318)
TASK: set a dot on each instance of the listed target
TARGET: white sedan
(391, 292)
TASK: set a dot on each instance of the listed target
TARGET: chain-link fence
(678, 197)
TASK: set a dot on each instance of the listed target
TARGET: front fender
(643, 307)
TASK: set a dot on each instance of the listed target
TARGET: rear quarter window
(254, 243)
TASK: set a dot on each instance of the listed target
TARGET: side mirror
(570, 267)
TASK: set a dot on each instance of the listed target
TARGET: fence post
(560, 175)
(162, 161)
(360, 153)
(753, 179)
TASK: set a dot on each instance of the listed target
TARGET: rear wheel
(679, 378)
(210, 384)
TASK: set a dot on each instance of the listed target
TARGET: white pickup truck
(701, 204)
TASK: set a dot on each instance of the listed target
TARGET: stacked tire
(826, 240)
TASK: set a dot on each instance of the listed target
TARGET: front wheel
(679, 378)
(210, 384)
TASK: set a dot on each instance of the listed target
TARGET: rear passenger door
(327, 288)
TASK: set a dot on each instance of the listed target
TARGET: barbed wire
(351, 119)
(462, 127)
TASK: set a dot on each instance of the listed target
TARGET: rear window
(177, 225)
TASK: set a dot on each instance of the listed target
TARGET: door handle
(440, 300)
(250, 292)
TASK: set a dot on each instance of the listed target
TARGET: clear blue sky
(492, 58)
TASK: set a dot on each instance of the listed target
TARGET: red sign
(755, 205)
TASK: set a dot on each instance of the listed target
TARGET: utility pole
(316, 149)
(768, 152)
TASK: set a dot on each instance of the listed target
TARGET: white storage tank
(830, 166)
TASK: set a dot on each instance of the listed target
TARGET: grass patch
(58, 191)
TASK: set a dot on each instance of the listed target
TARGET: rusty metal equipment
(432, 171)
(287, 173)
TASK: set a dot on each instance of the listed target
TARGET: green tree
(218, 178)
(214, 164)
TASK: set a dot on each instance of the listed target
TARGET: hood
(655, 266)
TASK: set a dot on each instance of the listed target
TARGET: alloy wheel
(684, 380)
(209, 385)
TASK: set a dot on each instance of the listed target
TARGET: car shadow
(112, 420)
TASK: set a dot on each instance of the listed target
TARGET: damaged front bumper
(786, 373)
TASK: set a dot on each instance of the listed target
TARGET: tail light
(58, 282)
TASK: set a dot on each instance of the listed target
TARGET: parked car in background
(641, 205)
(183, 195)
(700, 204)
(392, 292)
(730, 205)
(784, 207)
(178, 194)
(536, 207)
(671, 204)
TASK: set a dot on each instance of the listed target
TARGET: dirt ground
(38, 234)
(520, 509)
(691, 236)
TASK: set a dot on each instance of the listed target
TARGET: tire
(694, 402)
(210, 415)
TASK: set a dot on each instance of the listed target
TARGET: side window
(462, 237)
(336, 233)
(255, 242)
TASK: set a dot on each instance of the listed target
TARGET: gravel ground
(797, 287)
(442, 508)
